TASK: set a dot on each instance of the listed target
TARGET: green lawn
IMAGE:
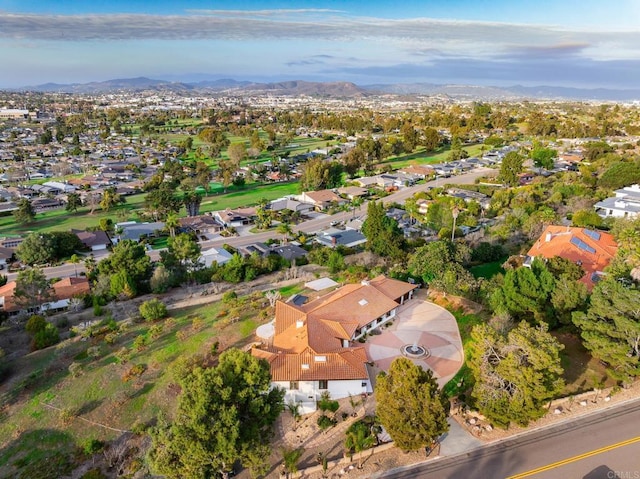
(487, 270)
(420, 157)
(247, 196)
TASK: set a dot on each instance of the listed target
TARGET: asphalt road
(310, 226)
(602, 445)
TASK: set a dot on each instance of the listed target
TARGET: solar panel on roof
(594, 235)
(582, 245)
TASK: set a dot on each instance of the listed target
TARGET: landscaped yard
(45, 400)
(487, 270)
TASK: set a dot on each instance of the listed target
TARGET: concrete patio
(427, 325)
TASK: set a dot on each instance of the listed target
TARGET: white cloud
(450, 37)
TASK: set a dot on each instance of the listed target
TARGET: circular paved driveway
(428, 324)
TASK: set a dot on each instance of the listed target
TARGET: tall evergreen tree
(409, 405)
(383, 235)
(610, 329)
(515, 373)
(225, 414)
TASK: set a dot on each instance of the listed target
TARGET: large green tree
(161, 202)
(32, 289)
(525, 293)
(318, 174)
(384, 237)
(225, 414)
(511, 167)
(610, 329)
(129, 262)
(515, 373)
(40, 248)
(25, 213)
(410, 406)
(440, 265)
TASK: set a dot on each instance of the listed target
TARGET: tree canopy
(409, 405)
(610, 329)
(511, 167)
(225, 414)
(515, 373)
(384, 237)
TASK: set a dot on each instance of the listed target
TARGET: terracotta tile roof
(392, 287)
(322, 196)
(592, 250)
(319, 328)
(7, 292)
(344, 365)
(69, 287)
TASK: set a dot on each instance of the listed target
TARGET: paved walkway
(428, 325)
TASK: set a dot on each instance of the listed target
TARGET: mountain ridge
(340, 89)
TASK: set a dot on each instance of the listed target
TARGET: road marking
(569, 460)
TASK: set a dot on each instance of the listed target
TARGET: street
(603, 445)
(310, 226)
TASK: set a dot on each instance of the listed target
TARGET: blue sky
(588, 43)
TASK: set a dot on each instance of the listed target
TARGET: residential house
(625, 203)
(258, 248)
(136, 231)
(202, 225)
(313, 348)
(336, 237)
(290, 204)
(353, 192)
(289, 251)
(61, 294)
(420, 171)
(233, 218)
(322, 199)
(214, 255)
(94, 240)
(5, 256)
(469, 196)
(591, 250)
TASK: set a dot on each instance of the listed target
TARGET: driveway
(428, 325)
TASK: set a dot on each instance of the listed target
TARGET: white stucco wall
(308, 393)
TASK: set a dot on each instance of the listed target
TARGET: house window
(323, 384)
(293, 385)
(364, 384)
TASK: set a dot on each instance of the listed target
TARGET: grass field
(420, 157)
(487, 270)
(61, 220)
(100, 392)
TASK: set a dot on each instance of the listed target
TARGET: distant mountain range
(341, 89)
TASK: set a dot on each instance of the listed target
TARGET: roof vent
(305, 366)
(321, 359)
(548, 237)
(364, 282)
(299, 323)
(363, 302)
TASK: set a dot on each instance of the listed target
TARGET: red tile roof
(320, 327)
(592, 250)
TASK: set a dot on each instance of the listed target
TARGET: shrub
(93, 474)
(140, 342)
(110, 338)
(197, 324)
(153, 310)
(45, 338)
(229, 297)
(92, 446)
(325, 422)
(155, 331)
(75, 369)
(94, 352)
(134, 372)
(35, 324)
(122, 355)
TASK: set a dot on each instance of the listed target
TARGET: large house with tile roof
(61, 293)
(591, 250)
(315, 349)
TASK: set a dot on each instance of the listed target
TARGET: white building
(625, 203)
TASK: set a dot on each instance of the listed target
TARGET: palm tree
(171, 223)
(294, 409)
(75, 259)
(358, 439)
(285, 230)
(290, 459)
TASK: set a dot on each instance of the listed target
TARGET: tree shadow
(147, 387)
(89, 406)
(41, 452)
(601, 472)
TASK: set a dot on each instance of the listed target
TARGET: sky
(586, 43)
